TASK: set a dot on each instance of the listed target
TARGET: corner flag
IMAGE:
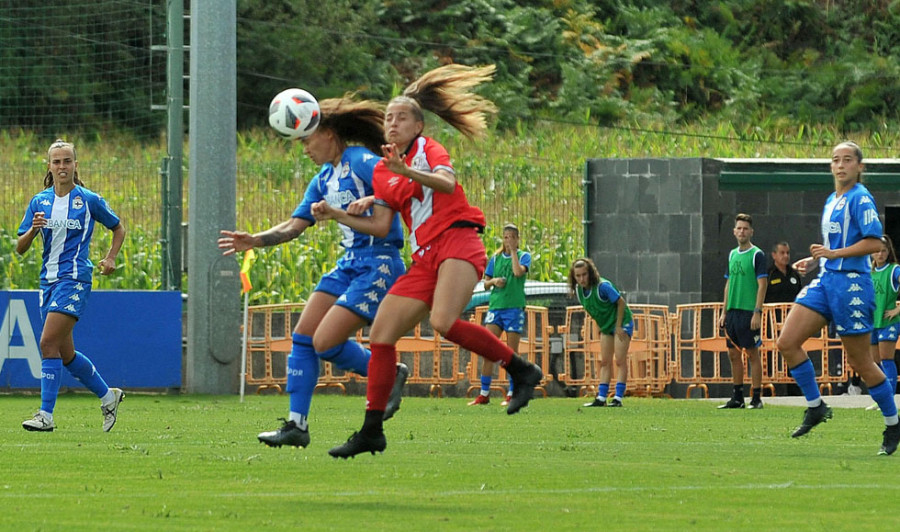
(249, 257)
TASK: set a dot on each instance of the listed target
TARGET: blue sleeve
(866, 216)
(489, 271)
(608, 292)
(312, 195)
(525, 260)
(759, 265)
(101, 211)
(27, 219)
(895, 278)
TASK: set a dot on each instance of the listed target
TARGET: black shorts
(738, 331)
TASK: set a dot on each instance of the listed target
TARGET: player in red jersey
(416, 179)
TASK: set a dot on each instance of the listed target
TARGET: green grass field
(193, 463)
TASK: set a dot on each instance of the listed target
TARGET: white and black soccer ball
(294, 113)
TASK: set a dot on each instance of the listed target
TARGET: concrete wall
(661, 229)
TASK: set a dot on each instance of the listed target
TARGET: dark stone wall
(661, 229)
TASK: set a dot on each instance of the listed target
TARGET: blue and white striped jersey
(845, 221)
(342, 186)
(67, 236)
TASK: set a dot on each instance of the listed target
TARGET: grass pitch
(193, 463)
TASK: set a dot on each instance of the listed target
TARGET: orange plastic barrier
(534, 346)
(431, 360)
(648, 356)
(822, 349)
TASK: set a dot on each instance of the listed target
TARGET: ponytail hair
(354, 121)
(60, 143)
(445, 92)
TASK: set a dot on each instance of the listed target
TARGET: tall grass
(530, 176)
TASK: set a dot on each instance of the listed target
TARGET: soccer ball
(294, 113)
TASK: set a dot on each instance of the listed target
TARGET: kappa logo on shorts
(79, 287)
(380, 283)
(373, 296)
(74, 297)
(70, 308)
(53, 304)
(852, 275)
(857, 326)
(363, 307)
(856, 302)
(856, 314)
(385, 269)
(854, 288)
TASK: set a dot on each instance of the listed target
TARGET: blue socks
(302, 374)
(51, 372)
(83, 369)
(620, 390)
(890, 371)
(884, 396)
(603, 391)
(805, 375)
(348, 356)
(486, 384)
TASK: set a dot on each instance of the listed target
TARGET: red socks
(478, 340)
(382, 372)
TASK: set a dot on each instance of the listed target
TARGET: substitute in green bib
(886, 320)
(603, 302)
(505, 277)
(745, 291)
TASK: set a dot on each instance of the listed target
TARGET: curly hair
(445, 92)
(359, 121)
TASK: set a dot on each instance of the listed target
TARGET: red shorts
(419, 281)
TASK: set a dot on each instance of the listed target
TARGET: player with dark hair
(346, 297)
(64, 214)
(886, 319)
(745, 291)
(416, 179)
(843, 293)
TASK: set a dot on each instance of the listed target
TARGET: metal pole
(214, 303)
(174, 145)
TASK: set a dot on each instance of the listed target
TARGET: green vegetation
(531, 176)
(193, 463)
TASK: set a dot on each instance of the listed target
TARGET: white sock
(299, 419)
(109, 398)
(814, 403)
(47, 415)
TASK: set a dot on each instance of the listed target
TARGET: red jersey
(425, 212)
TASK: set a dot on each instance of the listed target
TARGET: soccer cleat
(891, 439)
(39, 423)
(525, 376)
(811, 418)
(595, 402)
(480, 400)
(396, 396)
(110, 411)
(615, 402)
(288, 434)
(755, 405)
(873, 406)
(733, 403)
(360, 443)
(505, 401)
